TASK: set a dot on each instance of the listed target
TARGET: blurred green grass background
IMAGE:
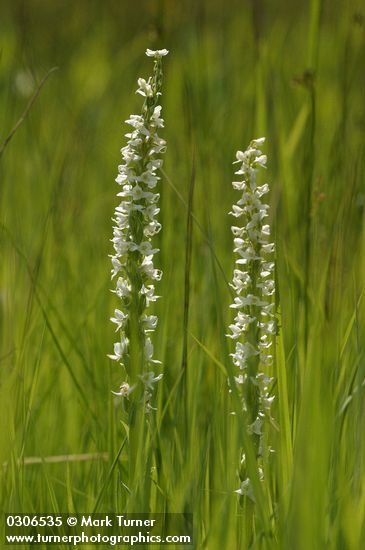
(292, 71)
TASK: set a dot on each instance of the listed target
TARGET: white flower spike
(253, 282)
(135, 225)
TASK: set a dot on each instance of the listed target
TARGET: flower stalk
(254, 323)
(135, 226)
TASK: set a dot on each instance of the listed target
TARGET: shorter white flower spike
(253, 282)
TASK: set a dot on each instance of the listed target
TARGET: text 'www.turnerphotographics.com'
(96, 529)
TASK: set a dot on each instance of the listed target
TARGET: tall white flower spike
(135, 225)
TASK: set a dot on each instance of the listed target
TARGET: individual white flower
(149, 293)
(150, 322)
(261, 190)
(148, 407)
(149, 379)
(258, 142)
(119, 319)
(240, 185)
(156, 53)
(116, 266)
(240, 379)
(136, 193)
(151, 211)
(123, 288)
(156, 120)
(243, 353)
(124, 390)
(246, 489)
(145, 248)
(149, 178)
(158, 146)
(155, 164)
(120, 349)
(267, 287)
(152, 228)
(237, 211)
(249, 300)
(145, 88)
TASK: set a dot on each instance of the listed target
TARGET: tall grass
(292, 72)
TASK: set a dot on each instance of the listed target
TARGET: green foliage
(292, 71)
